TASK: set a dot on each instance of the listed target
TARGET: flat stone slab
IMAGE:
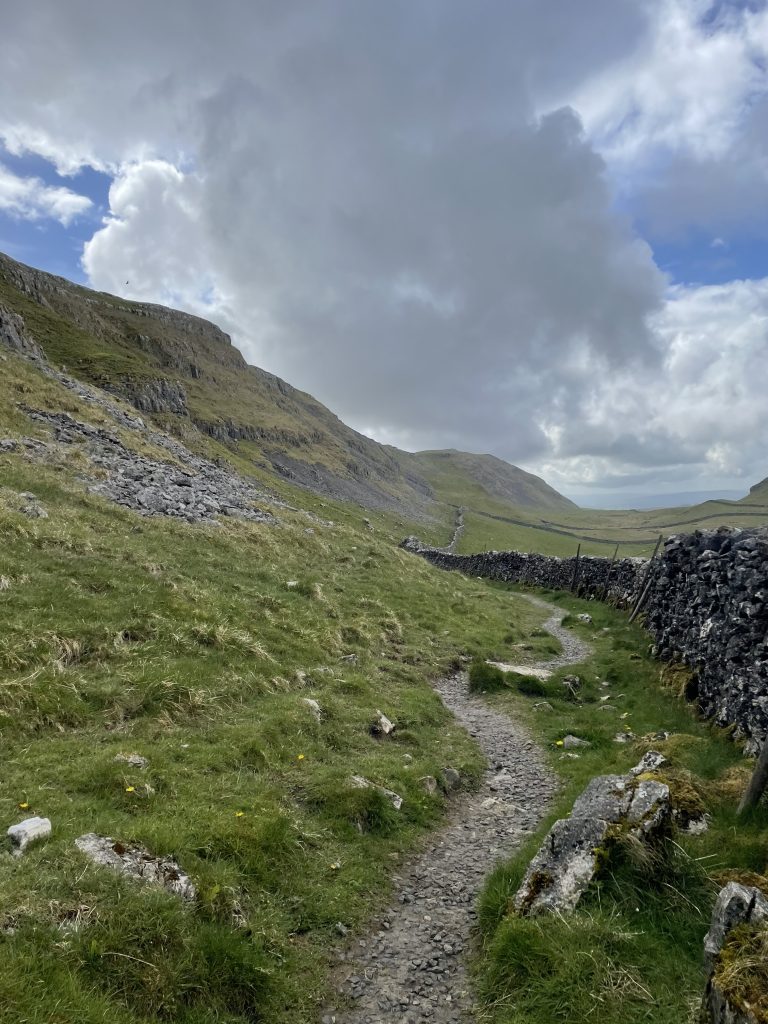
(137, 862)
(523, 670)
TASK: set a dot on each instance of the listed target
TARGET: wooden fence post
(646, 584)
(576, 569)
(608, 575)
(757, 783)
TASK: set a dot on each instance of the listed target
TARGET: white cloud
(31, 199)
(702, 415)
(688, 86)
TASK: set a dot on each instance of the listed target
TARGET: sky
(536, 228)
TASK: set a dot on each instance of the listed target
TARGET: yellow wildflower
(300, 757)
(130, 789)
(24, 806)
(239, 814)
(559, 743)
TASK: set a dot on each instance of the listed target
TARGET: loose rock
(132, 760)
(381, 725)
(359, 782)
(31, 830)
(570, 742)
(314, 707)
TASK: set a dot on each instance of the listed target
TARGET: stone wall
(707, 606)
(591, 575)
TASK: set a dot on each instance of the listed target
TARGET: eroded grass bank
(633, 951)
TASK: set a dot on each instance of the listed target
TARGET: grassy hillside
(483, 481)
(757, 493)
(195, 646)
(185, 372)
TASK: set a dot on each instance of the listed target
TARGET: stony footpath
(412, 968)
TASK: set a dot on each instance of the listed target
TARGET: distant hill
(676, 499)
(758, 492)
(185, 373)
(463, 478)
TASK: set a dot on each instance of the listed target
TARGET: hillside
(757, 493)
(186, 377)
(463, 479)
(185, 373)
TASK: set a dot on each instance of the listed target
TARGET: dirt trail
(411, 967)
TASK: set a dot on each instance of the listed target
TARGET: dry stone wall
(591, 574)
(707, 606)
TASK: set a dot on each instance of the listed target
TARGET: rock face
(136, 862)
(707, 606)
(14, 335)
(156, 396)
(736, 905)
(574, 849)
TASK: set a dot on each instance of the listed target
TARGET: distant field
(491, 525)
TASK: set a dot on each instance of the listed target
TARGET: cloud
(701, 416)
(31, 199)
(687, 87)
(397, 207)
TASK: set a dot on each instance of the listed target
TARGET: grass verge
(632, 952)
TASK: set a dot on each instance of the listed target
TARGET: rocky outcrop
(745, 908)
(154, 396)
(576, 848)
(706, 606)
(14, 335)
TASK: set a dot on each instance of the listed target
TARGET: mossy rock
(686, 800)
(751, 879)
(741, 971)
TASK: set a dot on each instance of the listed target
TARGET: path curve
(411, 966)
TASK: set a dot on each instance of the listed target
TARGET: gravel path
(574, 649)
(411, 967)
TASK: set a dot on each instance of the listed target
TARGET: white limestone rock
(31, 830)
(359, 782)
(137, 862)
